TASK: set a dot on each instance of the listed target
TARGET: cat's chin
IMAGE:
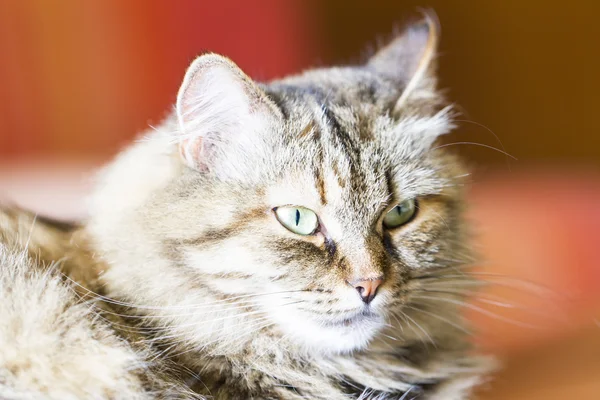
(331, 336)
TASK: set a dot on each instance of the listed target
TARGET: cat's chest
(276, 376)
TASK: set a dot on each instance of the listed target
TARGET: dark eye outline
(412, 217)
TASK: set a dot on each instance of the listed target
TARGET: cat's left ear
(409, 60)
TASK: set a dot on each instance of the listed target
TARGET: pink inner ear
(191, 152)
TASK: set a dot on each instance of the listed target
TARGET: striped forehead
(354, 173)
(348, 174)
(336, 144)
(333, 166)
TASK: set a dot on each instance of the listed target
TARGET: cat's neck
(269, 363)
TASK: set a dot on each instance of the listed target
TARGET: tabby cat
(282, 240)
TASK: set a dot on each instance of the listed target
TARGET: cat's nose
(367, 288)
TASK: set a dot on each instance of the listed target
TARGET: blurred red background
(80, 79)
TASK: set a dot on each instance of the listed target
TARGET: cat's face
(343, 209)
(313, 200)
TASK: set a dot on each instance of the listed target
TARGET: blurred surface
(526, 70)
(86, 77)
(562, 369)
(81, 79)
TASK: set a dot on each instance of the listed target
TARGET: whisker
(182, 338)
(406, 393)
(438, 214)
(490, 131)
(242, 315)
(150, 330)
(398, 321)
(478, 309)
(185, 335)
(179, 334)
(389, 337)
(421, 328)
(274, 345)
(477, 144)
(439, 317)
(169, 308)
(558, 316)
(257, 329)
(30, 234)
(494, 279)
(228, 307)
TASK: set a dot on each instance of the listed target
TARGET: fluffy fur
(55, 341)
(53, 347)
(200, 282)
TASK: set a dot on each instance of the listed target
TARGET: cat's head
(303, 206)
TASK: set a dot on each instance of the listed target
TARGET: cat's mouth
(361, 317)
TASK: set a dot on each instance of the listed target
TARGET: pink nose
(367, 288)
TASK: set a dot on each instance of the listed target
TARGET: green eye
(400, 214)
(299, 220)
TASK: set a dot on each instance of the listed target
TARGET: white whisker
(478, 309)
(477, 144)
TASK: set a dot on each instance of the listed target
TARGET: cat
(285, 240)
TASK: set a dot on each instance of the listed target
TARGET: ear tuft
(409, 58)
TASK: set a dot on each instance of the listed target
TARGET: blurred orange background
(80, 79)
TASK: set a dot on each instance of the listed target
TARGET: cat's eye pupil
(300, 220)
(400, 215)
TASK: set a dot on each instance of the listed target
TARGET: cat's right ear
(219, 108)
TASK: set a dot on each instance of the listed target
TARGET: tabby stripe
(308, 129)
(320, 179)
(213, 236)
(350, 148)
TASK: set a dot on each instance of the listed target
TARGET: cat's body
(193, 285)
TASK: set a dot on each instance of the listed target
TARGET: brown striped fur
(187, 285)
